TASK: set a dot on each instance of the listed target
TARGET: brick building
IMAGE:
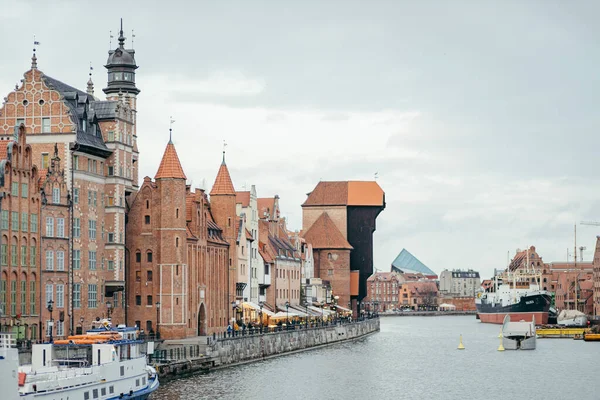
(20, 302)
(247, 209)
(352, 208)
(178, 257)
(382, 292)
(96, 142)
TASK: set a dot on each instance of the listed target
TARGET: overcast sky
(480, 117)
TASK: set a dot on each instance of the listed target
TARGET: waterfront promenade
(175, 359)
(426, 313)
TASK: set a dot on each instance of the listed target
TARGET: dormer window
(84, 124)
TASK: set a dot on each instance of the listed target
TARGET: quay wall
(250, 348)
(426, 313)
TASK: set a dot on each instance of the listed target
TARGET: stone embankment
(426, 313)
(227, 352)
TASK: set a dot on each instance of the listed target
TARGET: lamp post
(108, 309)
(51, 323)
(287, 311)
(261, 304)
(157, 319)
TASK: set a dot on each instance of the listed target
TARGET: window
(13, 255)
(111, 237)
(138, 300)
(14, 215)
(147, 219)
(49, 226)
(24, 190)
(92, 229)
(31, 297)
(13, 297)
(49, 260)
(149, 276)
(95, 195)
(77, 295)
(95, 393)
(34, 223)
(60, 260)
(111, 389)
(23, 256)
(60, 227)
(330, 272)
(49, 293)
(23, 297)
(76, 227)
(76, 163)
(148, 300)
(76, 259)
(149, 256)
(15, 189)
(92, 260)
(24, 221)
(32, 256)
(5, 220)
(45, 161)
(138, 257)
(56, 195)
(86, 396)
(60, 296)
(138, 276)
(111, 265)
(111, 136)
(45, 125)
(60, 327)
(103, 391)
(111, 170)
(92, 292)
(3, 296)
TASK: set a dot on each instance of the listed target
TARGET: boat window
(103, 391)
(122, 370)
(143, 381)
(137, 382)
(111, 389)
(86, 396)
(95, 392)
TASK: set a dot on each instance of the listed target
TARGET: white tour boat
(103, 364)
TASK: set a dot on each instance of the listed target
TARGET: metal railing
(8, 340)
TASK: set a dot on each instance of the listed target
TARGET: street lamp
(157, 319)
(51, 323)
(287, 321)
(261, 304)
(108, 309)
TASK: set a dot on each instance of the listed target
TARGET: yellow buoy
(461, 346)
(500, 348)
(500, 334)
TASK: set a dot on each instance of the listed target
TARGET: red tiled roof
(323, 234)
(346, 193)
(242, 198)
(249, 235)
(223, 184)
(384, 276)
(170, 167)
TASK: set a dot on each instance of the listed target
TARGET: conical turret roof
(223, 183)
(170, 167)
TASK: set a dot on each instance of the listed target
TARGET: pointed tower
(169, 227)
(223, 209)
(121, 68)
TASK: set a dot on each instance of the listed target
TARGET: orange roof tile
(170, 167)
(323, 234)
(249, 235)
(223, 184)
(346, 193)
(242, 198)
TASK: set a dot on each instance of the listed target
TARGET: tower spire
(224, 145)
(34, 57)
(90, 83)
(121, 37)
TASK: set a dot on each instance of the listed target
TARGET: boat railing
(8, 340)
(62, 373)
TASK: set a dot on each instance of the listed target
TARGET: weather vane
(132, 37)
(35, 43)
(171, 121)
(110, 40)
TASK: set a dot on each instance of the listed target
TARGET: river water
(411, 358)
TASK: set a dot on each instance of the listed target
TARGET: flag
(36, 43)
